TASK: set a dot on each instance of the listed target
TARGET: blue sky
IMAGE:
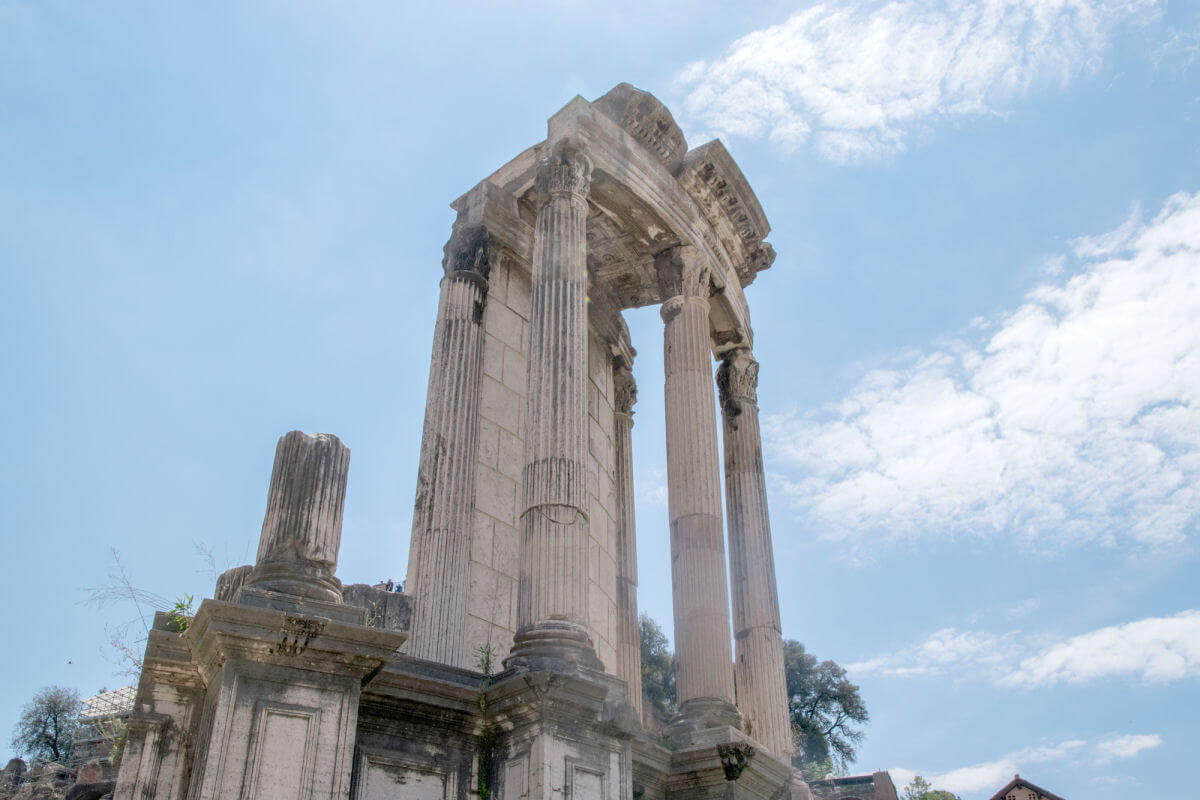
(979, 344)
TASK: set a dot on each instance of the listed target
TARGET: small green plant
(373, 618)
(489, 737)
(182, 612)
(484, 662)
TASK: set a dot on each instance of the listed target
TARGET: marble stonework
(509, 667)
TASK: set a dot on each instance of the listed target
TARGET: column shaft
(704, 672)
(761, 681)
(552, 596)
(629, 650)
(441, 538)
(302, 529)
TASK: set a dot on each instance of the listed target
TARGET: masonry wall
(602, 553)
(495, 535)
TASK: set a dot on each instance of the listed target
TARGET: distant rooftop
(108, 704)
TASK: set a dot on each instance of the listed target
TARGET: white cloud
(1077, 422)
(1128, 746)
(858, 76)
(652, 490)
(991, 775)
(1024, 608)
(944, 651)
(1156, 650)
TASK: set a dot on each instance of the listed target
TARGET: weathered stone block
(500, 404)
(515, 370)
(488, 442)
(506, 325)
(495, 494)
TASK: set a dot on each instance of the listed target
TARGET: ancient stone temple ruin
(509, 668)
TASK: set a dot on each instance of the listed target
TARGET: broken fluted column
(629, 650)
(761, 681)
(302, 529)
(704, 672)
(441, 534)
(552, 597)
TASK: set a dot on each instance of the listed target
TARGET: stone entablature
(641, 203)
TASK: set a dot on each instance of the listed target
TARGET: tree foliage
(825, 707)
(46, 728)
(919, 789)
(658, 667)
(826, 710)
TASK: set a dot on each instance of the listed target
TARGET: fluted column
(552, 594)
(441, 537)
(629, 649)
(761, 681)
(302, 529)
(704, 671)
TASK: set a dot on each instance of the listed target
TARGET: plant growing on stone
(125, 639)
(489, 736)
(182, 612)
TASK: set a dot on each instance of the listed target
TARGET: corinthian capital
(568, 171)
(682, 271)
(737, 381)
(469, 253)
(624, 389)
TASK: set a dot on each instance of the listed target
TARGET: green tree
(919, 789)
(826, 710)
(658, 667)
(46, 728)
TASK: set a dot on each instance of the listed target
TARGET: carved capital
(735, 758)
(470, 254)
(568, 171)
(737, 381)
(682, 272)
(624, 390)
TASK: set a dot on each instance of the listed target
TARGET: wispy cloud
(1121, 747)
(942, 652)
(652, 489)
(857, 77)
(991, 775)
(1152, 650)
(1156, 650)
(1076, 422)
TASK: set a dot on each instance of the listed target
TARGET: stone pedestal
(439, 555)
(258, 698)
(552, 594)
(704, 671)
(761, 680)
(564, 736)
(283, 696)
